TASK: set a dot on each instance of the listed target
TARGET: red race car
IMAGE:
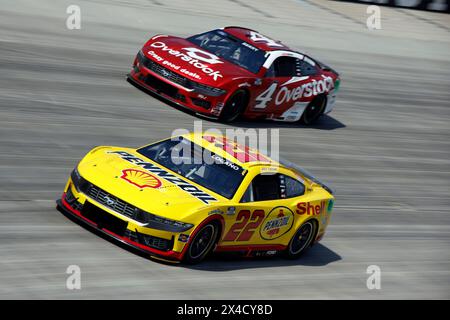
(232, 72)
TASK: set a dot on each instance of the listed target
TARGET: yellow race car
(182, 198)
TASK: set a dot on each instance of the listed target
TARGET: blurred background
(385, 148)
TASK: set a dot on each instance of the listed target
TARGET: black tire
(301, 240)
(314, 110)
(202, 243)
(234, 106)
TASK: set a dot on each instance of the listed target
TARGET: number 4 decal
(265, 97)
(243, 230)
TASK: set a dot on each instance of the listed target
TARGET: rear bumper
(170, 255)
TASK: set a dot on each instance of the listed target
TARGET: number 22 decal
(243, 230)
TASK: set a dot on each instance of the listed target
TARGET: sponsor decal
(217, 109)
(278, 222)
(162, 173)
(264, 253)
(268, 170)
(330, 205)
(140, 179)
(310, 209)
(286, 95)
(226, 162)
(231, 211)
(193, 56)
(215, 211)
(309, 89)
(245, 44)
(245, 226)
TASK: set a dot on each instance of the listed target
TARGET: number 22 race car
(182, 198)
(231, 72)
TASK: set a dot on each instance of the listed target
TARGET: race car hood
(131, 177)
(191, 61)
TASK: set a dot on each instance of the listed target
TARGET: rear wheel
(301, 240)
(314, 110)
(202, 243)
(234, 106)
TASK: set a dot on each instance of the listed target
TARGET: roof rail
(228, 27)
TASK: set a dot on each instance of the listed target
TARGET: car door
(264, 214)
(278, 90)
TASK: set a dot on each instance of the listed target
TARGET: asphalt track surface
(385, 148)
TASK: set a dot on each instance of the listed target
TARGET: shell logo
(278, 222)
(140, 179)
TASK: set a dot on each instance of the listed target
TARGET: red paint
(167, 254)
(307, 208)
(251, 247)
(249, 230)
(190, 61)
(129, 175)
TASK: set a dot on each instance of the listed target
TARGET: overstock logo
(73, 281)
(73, 21)
(374, 280)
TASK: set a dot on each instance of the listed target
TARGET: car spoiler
(325, 67)
(306, 174)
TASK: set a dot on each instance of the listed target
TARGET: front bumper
(81, 207)
(147, 79)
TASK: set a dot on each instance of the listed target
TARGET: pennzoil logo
(278, 222)
(140, 179)
(160, 172)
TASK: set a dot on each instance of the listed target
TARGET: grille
(161, 86)
(111, 201)
(150, 241)
(164, 72)
(201, 103)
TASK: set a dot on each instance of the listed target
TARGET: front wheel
(301, 240)
(314, 110)
(202, 244)
(234, 106)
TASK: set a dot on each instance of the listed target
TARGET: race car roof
(245, 34)
(230, 149)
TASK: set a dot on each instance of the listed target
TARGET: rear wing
(306, 174)
(325, 67)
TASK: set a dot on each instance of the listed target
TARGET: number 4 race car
(184, 197)
(231, 72)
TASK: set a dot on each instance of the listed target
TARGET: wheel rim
(202, 242)
(314, 111)
(234, 106)
(302, 238)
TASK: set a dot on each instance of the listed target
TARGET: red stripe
(251, 247)
(168, 254)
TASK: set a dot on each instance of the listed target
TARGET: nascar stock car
(231, 72)
(177, 208)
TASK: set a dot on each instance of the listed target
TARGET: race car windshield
(197, 164)
(231, 49)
